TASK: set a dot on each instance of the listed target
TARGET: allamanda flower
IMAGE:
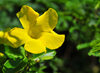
(37, 33)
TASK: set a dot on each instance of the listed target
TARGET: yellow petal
(15, 37)
(48, 20)
(52, 40)
(2, 37)
(27, 17)
(34, 46)
(1, 34)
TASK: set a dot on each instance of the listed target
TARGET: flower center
(35, 32)
(35, 35)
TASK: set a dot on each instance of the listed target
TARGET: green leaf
(97, 5)
(17, 59)
(14, 53)
(95, 43)
(48, 56)
(14, 65)
(41, 69)
(95, 51)
(72, 29)
(84, 45)
(45, 56)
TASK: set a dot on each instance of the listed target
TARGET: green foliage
(45, 56)
(18, 60)
(95, 51)
(14, 65)
(84, 45)
(78, 19)
(15, 53)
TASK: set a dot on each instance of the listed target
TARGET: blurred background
(79, 20)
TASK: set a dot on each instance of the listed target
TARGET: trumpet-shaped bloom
(37, 33)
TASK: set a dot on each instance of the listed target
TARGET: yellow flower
(37, 33)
